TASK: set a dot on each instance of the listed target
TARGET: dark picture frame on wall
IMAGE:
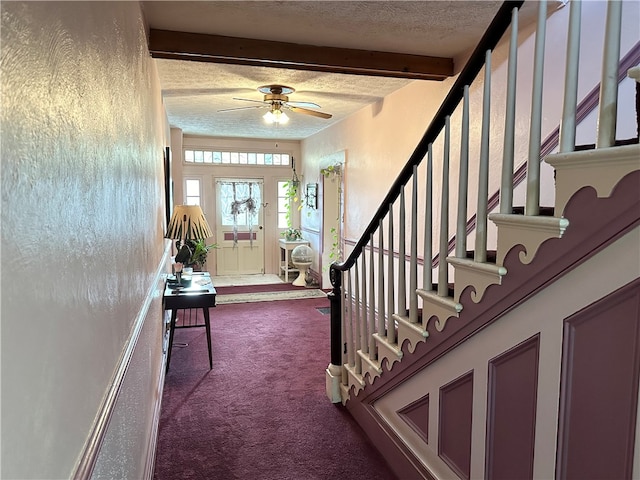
(168, 185)
(312, 195)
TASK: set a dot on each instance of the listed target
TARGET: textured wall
(82, 139)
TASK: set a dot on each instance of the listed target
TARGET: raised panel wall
(599, 393)
(511, 411)
(454, 427)
(417, 417)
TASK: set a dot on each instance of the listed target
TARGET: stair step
(617, 143)
(434, 287)
(491, 255)
(544, 211)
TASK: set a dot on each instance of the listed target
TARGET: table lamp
(187, 223)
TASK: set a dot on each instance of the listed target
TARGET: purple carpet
(262, 412)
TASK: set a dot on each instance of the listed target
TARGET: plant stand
(285, 251)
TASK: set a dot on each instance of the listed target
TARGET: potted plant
(194, 253)
(292, 234)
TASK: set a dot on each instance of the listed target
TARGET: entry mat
(269, 296)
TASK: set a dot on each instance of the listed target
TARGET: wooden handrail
(490, 39)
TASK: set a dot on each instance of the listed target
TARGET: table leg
(208, 327)
(286, 265)
(172, 329)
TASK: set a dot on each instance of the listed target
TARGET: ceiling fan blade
(309, 112)
(191, 92)
(242, 108)
(303, 104)
(249, 100)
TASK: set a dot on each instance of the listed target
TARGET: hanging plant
(291, 195)
(332, 170)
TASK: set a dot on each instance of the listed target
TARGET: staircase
(519, 357)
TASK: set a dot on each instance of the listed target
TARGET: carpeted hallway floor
(262, 412)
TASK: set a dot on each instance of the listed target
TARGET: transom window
(236, 158)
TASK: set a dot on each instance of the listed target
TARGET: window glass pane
(243, 158)
(217, 157)
(188, 155)
(234, 158)
(226, 157)
(192, 187)
(276, 159)
(240, 203)
(283, 202)
(260, 158)
(207, 157)
(198, 156)
(285, 159)
(193, 200)
(268, 159)
(251, 158)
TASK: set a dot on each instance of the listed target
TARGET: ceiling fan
(276, 98)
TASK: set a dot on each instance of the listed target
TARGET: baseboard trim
(395, 452)
(150, 463)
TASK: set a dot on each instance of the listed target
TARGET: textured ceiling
(195, 91)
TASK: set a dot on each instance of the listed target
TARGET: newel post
(334, 370)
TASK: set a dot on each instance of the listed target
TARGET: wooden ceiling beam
(265, 53)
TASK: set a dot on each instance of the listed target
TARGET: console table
(285, 250)
(200, 294)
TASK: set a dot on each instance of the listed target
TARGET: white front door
(239, 226)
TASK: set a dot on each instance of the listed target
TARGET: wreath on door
(247, 205)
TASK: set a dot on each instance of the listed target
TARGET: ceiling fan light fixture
(275, 116)
(275, 98)
(269, 117)
(281, 117)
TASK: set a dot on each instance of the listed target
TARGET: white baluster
(427, 253)
(381, 293)
(364, 338)
(402, 274)
(480, 254)
(609, 81)
(345, 341)
(413, 254)
(568, 121)
(443, 271)
(463, 181)
(391, 331)
(506, 185)
(349, 337)
(372, 296)
(532, 206)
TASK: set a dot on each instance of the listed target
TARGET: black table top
(199, 294)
